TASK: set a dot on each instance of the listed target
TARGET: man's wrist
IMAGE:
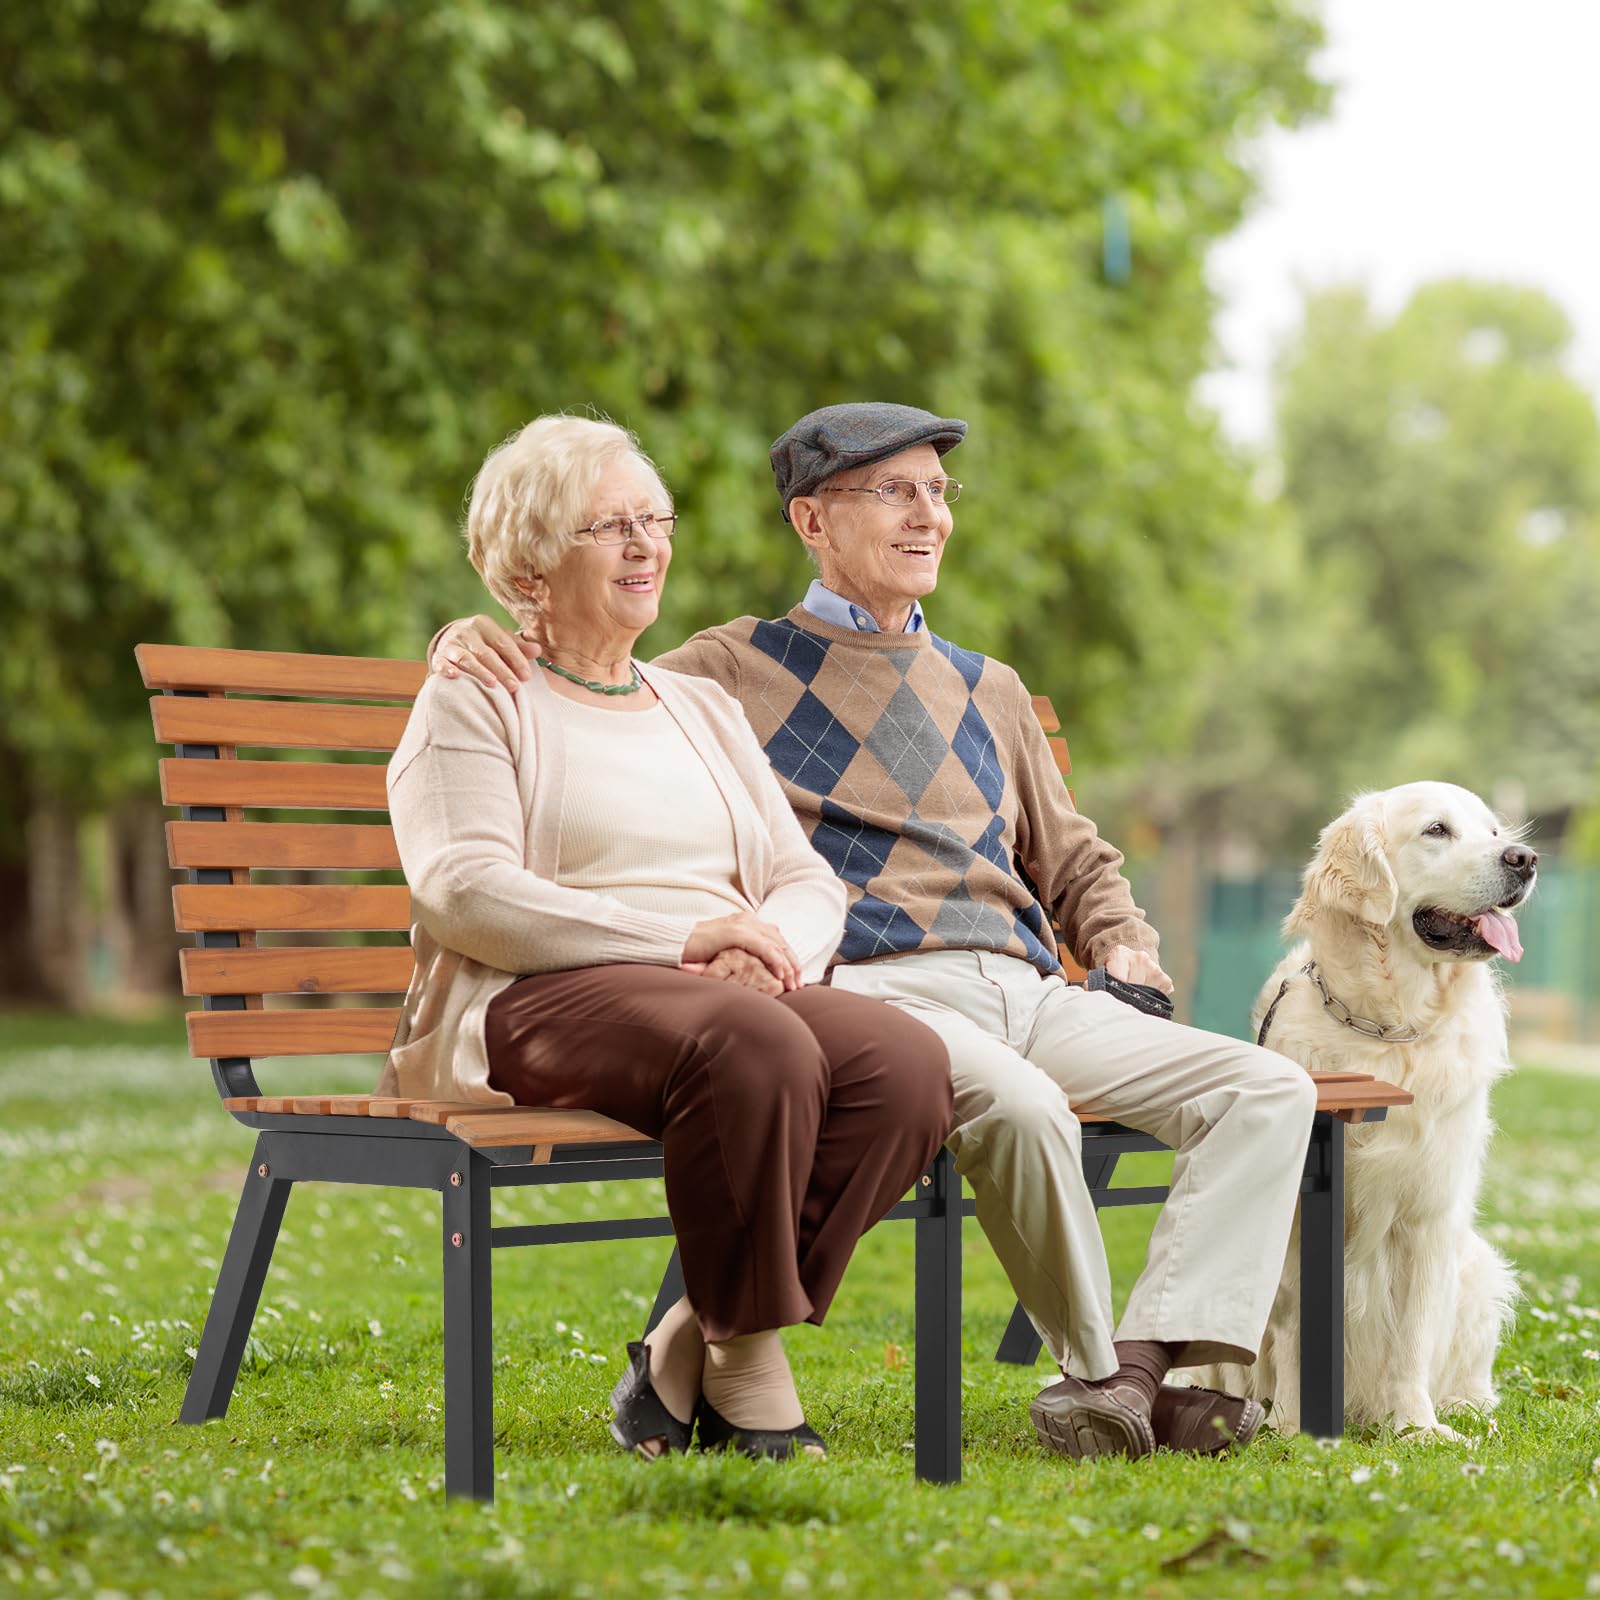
(1144, 941)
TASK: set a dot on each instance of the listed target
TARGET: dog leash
(1341, 1013)
(1272, 1010)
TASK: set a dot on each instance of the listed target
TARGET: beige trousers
(1238, 1118)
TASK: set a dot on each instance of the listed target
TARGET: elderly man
(920, 773)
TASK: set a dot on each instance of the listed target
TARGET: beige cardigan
(475, 795)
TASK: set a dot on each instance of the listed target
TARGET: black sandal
(776, 1444)
(639, 1413)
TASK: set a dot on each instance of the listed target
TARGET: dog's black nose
(1521, 860)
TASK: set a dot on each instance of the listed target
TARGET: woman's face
(602, 591)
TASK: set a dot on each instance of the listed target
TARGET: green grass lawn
(325, 1479)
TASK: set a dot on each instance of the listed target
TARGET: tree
(1424, 606)
(289, 269)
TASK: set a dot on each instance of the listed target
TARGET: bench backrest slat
(348, 1031)
(307, 907)
(277, 724)
(298, 969)
(283, 846)
(279, 785)
(175, 666)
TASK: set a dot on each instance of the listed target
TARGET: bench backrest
(348, 711)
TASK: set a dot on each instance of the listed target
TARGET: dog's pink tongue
(1499, 932)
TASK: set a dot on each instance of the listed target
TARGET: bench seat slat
(1046, 713)
(297, 969)
(331, 1105)
(522, 1126)
(306, 907)
(313, 846)
(348, 1031)
(315, 785)
(173, 666)
(434, 1110)
(1063, 757)
(304, 1105)
(1343, 1096)
(277, 724)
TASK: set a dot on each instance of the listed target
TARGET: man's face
(882, 556)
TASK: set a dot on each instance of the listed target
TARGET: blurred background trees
(1422, 601)
(278, 274)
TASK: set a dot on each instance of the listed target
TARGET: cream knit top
(641, 819)
(476, 794)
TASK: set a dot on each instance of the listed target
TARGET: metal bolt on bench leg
(455, 1180)
(263, 1170)
(468, 1335)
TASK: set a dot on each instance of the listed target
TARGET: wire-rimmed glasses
(618, 530)
(902, 492)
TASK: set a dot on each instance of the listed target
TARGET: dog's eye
(1437, 830)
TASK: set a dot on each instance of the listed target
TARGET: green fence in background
(1559, 974)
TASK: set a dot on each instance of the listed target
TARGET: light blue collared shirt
(827, 606)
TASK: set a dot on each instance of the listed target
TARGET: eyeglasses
(618, 530)
(903, 491)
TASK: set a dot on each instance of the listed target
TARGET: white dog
(1407, 899)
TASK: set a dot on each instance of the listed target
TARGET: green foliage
(1424, 605)
(279, 274)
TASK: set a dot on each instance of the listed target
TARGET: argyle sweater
(921, 775)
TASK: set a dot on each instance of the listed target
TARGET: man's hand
(478, 647)
(1135, 966)
(739, 966)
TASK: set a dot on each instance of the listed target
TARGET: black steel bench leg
(238, 1291)
(938, 1377)
(1322, 1281)
(1020, 1344)
(468, 1332)
(669, 1294)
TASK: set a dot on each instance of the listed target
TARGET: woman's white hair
(532, 492)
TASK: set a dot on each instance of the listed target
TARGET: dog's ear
(1349, 873)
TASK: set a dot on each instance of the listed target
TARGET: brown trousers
(788, 1126)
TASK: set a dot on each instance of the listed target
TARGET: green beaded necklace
(589, 684)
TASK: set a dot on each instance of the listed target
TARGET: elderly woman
(617, 911)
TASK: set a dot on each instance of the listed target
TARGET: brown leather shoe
(1079, 1420)
(1204, 1422)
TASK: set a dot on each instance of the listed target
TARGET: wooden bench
(215, 703)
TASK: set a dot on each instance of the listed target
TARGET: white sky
(1464, 140)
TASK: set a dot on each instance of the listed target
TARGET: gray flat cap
(837, 438)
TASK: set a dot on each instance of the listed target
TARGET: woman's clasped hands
(741, 948)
